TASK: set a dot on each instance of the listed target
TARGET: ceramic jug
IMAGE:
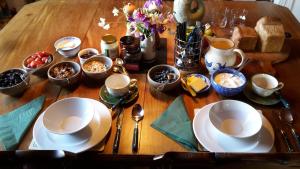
(188, 10)
(221, 54)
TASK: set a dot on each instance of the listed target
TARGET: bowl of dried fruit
(66, 73)
(38, 63)
(163, 77)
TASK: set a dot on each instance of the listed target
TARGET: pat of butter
(196, 83)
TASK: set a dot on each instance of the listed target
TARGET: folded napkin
(14, 124)
(175, 124)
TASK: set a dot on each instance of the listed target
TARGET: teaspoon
(137, 115)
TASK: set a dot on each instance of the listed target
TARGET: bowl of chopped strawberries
(38, 63)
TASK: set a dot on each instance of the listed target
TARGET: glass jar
(131, 52)
(109, 46)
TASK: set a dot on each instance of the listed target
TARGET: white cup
(119, 84)
(265, 85)
(91, 51)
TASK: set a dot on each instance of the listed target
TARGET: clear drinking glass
(223, 18)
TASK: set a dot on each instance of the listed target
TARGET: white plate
(81, 141)
(215, 141)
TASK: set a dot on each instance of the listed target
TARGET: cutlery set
(137, 115)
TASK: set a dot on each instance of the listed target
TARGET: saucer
(80, 141)
(214, 141)
(270, 100)
(108, 98)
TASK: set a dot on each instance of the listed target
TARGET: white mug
(119, 84)
(265, 85)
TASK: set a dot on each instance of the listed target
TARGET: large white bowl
(68, 116)
(235, 118)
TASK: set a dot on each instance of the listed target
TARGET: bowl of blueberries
(14, 81)
(163, 77)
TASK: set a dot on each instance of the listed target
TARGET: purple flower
(130, 19)
(142, 37)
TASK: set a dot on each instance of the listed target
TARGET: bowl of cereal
(65, 73)
(97, 67)
(228, 82)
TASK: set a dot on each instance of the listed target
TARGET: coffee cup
(85, 54)
(265, 85)
(119, 84)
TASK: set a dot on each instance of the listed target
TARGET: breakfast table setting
(148, 78)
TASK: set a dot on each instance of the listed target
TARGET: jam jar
(109, 46)
(131, 52)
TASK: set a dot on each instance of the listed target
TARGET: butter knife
(119, 112)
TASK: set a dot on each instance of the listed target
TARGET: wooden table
(38, 25)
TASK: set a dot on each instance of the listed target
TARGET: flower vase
(148, 49)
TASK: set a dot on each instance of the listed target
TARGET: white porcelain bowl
(68, 46)
(68, 116)
(235, 118)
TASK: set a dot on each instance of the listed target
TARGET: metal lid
(109, 39)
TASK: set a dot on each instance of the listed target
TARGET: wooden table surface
(38, 25)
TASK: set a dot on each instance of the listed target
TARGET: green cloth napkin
(175, 124)
(14, 124)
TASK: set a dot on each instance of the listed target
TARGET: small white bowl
(235, 118)
(91, 51)
(68, 46)
(68, 116)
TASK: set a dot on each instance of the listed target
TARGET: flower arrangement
(143, 22)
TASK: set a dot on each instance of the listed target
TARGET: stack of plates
(215, 141)
(83, 140)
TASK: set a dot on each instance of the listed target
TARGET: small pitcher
(222, 54)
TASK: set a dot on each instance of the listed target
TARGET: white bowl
(68, 46)
(90, 51)
(68, 116)
(235, 118)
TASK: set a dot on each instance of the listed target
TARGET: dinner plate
(215, 141)
(80, 141)
(270, 100)
(108, 98)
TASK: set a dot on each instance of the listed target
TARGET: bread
(271, 34)
(244, 38)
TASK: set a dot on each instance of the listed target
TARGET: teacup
(119, 84)
(265, 85)
(85, 54)
(222, 54)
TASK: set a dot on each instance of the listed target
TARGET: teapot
(188, 11)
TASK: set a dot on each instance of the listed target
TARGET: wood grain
(37, 26)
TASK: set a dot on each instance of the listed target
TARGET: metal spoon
(288, 117)
(137, 115)
(119, 62)
(170, 77)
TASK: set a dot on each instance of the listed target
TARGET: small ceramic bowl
(235, 118)
(204, 78)
(68, 46)
(39, 71)
(85, 54)
(156, 70)
(68, 116)
(89, 71)
(232, 90)
(14, 89)
(56, 77)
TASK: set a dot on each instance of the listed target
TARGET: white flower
(103, 24)
(106, 27)
(115, 11)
